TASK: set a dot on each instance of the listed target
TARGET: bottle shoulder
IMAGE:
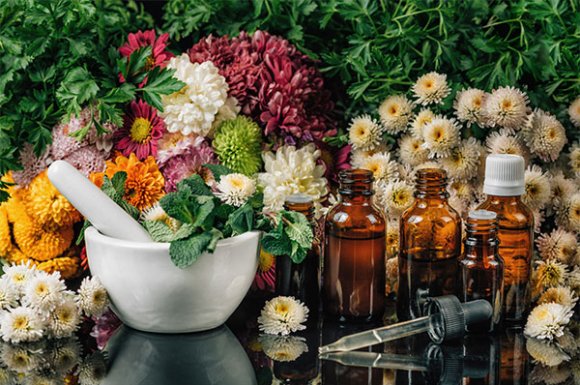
(354, 216)
(425, 212)
(510, 212)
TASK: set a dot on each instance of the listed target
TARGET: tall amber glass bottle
(301, 281)
(354, 252)
(504, 184)
(430, 245)
(481, 268)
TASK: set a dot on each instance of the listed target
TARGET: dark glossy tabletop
(237, 354)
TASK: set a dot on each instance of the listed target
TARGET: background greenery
(59, 55)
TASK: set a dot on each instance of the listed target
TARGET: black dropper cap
(450, 317)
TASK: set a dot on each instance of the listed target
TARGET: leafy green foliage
(376, 47)
(292, 236)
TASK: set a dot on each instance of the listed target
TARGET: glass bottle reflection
(514, 367)
(482, 357)
(297, 362)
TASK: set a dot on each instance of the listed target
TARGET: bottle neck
(431, 184)
(356, 187)
(481, 240)
(306, 208)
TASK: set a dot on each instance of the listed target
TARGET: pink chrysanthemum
(105, 326)
(87, 160)
(32, 165)
(265, 278)
(140, 39)
(188, 163)
(274, 84)
(141, 130)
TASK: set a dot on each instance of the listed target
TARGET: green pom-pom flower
(237, 143)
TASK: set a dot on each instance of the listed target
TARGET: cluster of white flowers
(283, 315)
(458, 139)
(35, 304)
(49, 361)
(293, 171)
(201, 103)
(235, 189)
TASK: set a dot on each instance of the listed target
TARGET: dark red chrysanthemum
(141, 130)
(140, 39)
(274, 83)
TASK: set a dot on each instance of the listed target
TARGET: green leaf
(195, 184)
(160, 81)
(185, 252)
(216, 235)
(298, 229)
(118, 182)
(161, 232)
(241, 220)
(218, 170)
(180, 205)
(203, 212)
(277, 244)
(77, 88)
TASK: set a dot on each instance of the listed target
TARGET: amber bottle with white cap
(504, 185)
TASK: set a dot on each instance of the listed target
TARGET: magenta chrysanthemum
(274, 83)
(140, 39)
(186, 164)
(141, 130)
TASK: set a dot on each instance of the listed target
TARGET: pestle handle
(103, 213)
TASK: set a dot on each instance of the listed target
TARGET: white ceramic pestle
(104, 214)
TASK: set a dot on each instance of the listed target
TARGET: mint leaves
(292, 236)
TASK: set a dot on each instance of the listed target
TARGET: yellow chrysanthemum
(67, 266)
(16, 256)
(41, 244)
(550, 273)
(15, 208)
(5, 238)
(144, 185)
(266, 261)
(561, 295)
(47, 206)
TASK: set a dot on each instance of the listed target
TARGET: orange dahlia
(5, 238)
(67, 266)
(144, 184)
(47, 206)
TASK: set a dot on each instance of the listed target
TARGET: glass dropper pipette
(445, 320)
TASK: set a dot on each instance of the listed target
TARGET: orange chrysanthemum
(5, 238)
(16, 256)
(41, 244)
(47, 206)
(67, 266)
(144, 184)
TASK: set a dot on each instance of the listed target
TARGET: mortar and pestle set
(147, 291)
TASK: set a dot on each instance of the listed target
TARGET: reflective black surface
(237, 354)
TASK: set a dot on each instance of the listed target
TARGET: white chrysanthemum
(235, 189)
(63, 355)
(560, 245)
(9, 295)
(424, 117)
(6, 377)
(291, 171)
(573, 280)
(431, 88)
(441, 136)
(19, 275)
(411, 150)
(283, 315)
(538, 190)
(569, 213)
(574, 112)
(44, 291)
(548, 320)
(92, 297)
(503, 142)
(193, 109)
(574, 161)
(549, 375)
(21, 324)
(506, 107)
(154, 213)
(381, 165)
(468, 104)
(545, 353)
(364, 133)
(539, 217)
(568, 341)
(283, 348)
(228, 111)
(561, 187)
(462, 189)
(406, 173)
(395, 113)
(550, 273)
(64, 319)
(392, 238)
(19, 359)
(544, 135)
(561, 295)
(463, 162)
(43, 379)
(92, 370)
(397, 197)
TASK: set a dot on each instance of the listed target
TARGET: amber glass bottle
(430, 245)
(354, 252)
(481, 268)
(504, 184)
(301, 281)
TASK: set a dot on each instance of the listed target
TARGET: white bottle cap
(482, 215)
(504, 175)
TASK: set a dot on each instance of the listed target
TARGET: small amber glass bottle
(301, 281)
(354, 252)
(504, 184)
(430, 245)
(481, 269)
